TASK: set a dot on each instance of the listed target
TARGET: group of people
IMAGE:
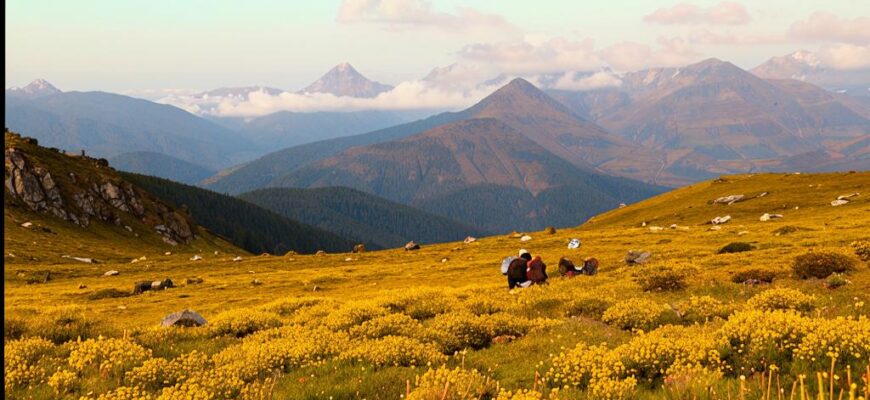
(524, 270)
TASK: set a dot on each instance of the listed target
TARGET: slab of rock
(359, 248)
(111, 273)
(839, 202)
(715, 228)
(574, 243)
(82, 259)
(237, 259)
(656, 228)
(622, 205)
(847, 196)
(525, 238)
(469, 239)
(183, 318)
(767, 217)
(320, 253)
(412, 246)
(637, 257)
(27, 224)
(720, 220)
(729, 199)
(196, 257)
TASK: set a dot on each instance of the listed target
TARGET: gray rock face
(183, 318)
(105, 200)
(637, 257)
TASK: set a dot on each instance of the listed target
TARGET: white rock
(655, 228)
(237, 259)
(215, 252)
(768, 217)
(847, 196)
(741, 233)
(168, 253)
(348, 259)
(720, 220)
(525, 238)
(729, 199)
(622, 205)
(715, 228)
(839, 202)
(111, 273)
(80, 259)
(196, 257)
(27, 224)
(673, 226)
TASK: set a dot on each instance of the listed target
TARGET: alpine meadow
(651, 200)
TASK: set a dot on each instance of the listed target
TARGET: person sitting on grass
(517, 271)
(567, 267)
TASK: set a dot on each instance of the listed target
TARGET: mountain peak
(344, 80)
(37, 88)
(517, 96)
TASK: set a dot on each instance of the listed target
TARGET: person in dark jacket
(517, 272)
(537, 271)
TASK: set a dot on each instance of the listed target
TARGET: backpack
(517, 270)
(590, 266)
(537, 270)
(566, 266)
(506, 263)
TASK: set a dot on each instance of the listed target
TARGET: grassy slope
(607, 237)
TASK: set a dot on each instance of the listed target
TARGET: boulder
(196, 257)
(192, 281)
(525, 238)
(320, 253)
(111, 273)
(622, 205)
(412, 246)
(183, 318)
(256, 282)
(141, 286)
(767, 217)
(839, 202)
(359, 248)
(27, 224)
(515, 235)
(237, 258)
(469, 239)
(637, 257)
(550, 230)
(574, 243)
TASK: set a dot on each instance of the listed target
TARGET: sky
(164, 46)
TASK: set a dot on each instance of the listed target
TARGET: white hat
(522, 251)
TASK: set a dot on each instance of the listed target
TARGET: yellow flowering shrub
(22, 362)
(588, 306)
(453, 384)
(651, 356)
(108, 356)
(862, 249)
(288, 305)
(418, 303)
(845, 339)
(662, 277)
(394, 351)
(781, 299)
(387, 325)
(126, 393)
(521, 394)
(703, 308)
(154, 336)
(486, 303)
(211, 384)
(457, 331)
(242, 322)
(613, 389)
(63, 323)
(352, 314)
(754, 339)
(63, 382)
(634, 313)
(508, 324)
(313, 314)
(583, 365)
(691, 381)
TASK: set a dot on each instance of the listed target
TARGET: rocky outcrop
(82, 198)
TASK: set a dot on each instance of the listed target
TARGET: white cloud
(845, 56)
(405, 14)
(534, 55)
(824, 26)
(580, 82)
(413, 95)
(632, 56)
(724, 13)
(705, 36)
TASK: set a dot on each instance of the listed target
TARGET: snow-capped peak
(806, 57)
(39, 87)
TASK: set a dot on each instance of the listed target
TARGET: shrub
(846, 339)
(735, 247)
(387, 325)
(651, 356)
(821, 264)
(781, 299)
(394, 351)
(663, 277)
(289, 305)
(634, 314)
(457, 383)
(862, 249)
(418, 304)
(754, 339)
(110, 293)
(64, 323)
(836, 280)
(590, 307)
(703, 308)
(242, 322)
(107, 356)
(457, 331)
(13, 328)
(63, 382)
(22, 361)
(352, 314)
(754, 275)
(583, 365)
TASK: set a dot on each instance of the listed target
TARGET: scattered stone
(655, 228)
(128, 228)
(192, 281)
(622, 205)
(122, 307)
(720, 220)
(168, 253)
(729, 200)
(320, 253)
(314, 289)
(741, 233)
(550, 230)
(82, 286)
(767, 217)
(111, 273)
(256, 282)
(515, 235)
(237, 258)
(27, 224)
(469, 239)
(574, 243)
(215, 252)
(444, 260)
(839, 202)
(348, 259)
(183, 318)
(135, 260)
(847, 196)
(643, 224)
(251, 272)
(412, 246)
(359, 248)
(715, 228)
(290, 253)
(525, 238)
(196, 257)
(637, 257)
(673, 226)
